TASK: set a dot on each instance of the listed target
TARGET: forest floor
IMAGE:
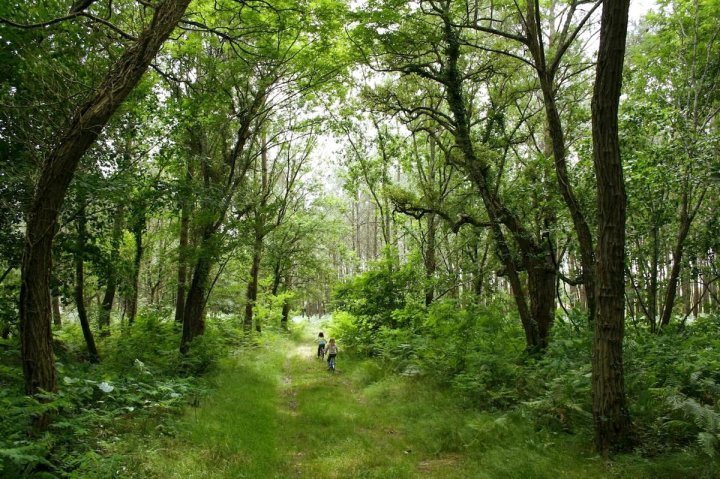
(276, 412)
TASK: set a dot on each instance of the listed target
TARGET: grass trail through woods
(275, 412)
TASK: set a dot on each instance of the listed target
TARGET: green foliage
(142, 382)
(374, 296)
(672, 379)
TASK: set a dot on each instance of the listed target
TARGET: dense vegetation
(508, 207)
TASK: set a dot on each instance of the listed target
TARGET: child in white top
(332, 351)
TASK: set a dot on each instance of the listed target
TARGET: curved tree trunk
(582, 229)
(478, 171)
(610, 412)
(547, 62)
(57, 171)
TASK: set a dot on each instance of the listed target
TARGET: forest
(504, 212)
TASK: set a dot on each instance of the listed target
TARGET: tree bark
(582, 230)
(430, 259)
(57, 171)
(252, 287)
(137, 230)
(93, 355)
(610, 413)
(546, 76)
(57, 317)
(654, 273)
(193, 316)
(541, 282)
(111, 286)
(182, 259)
(285, 315)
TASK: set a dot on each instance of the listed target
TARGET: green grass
(276, 412)
(234, 433)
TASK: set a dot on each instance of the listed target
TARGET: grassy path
(275, 412)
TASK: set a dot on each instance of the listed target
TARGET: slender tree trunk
(57, 317)
(93, 355)
(479, 273)
(277, 278)
(430, 259)
(182, 256)
(696, 295)
(252, 287)
(111, 287)
(582, 229)
(57, 171)
(610, 412)
(654, 274)
(137, 231)
(356, 229)
(286, 305)
(686, 218)
(375, 232)
(546, 75)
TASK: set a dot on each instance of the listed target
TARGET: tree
(77, 135)
(610, 413)
(443, 60)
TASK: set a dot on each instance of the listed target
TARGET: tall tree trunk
(654, 274)
(193, 316)
(582, 229)
(137, 231)
(277, 278)
(252, 287)
(546, 75)
(93, 355)
(610, 412)
(430, 259)
(111, 286)
(182, 253)
(286, 304)
(479, 273)
(57, 317)
(356, 229)
(686, 219)
(478, 171)
(57, 171)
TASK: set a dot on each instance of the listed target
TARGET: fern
(705, 418)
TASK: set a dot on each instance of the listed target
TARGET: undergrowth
(672, 379)
(141, 382)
